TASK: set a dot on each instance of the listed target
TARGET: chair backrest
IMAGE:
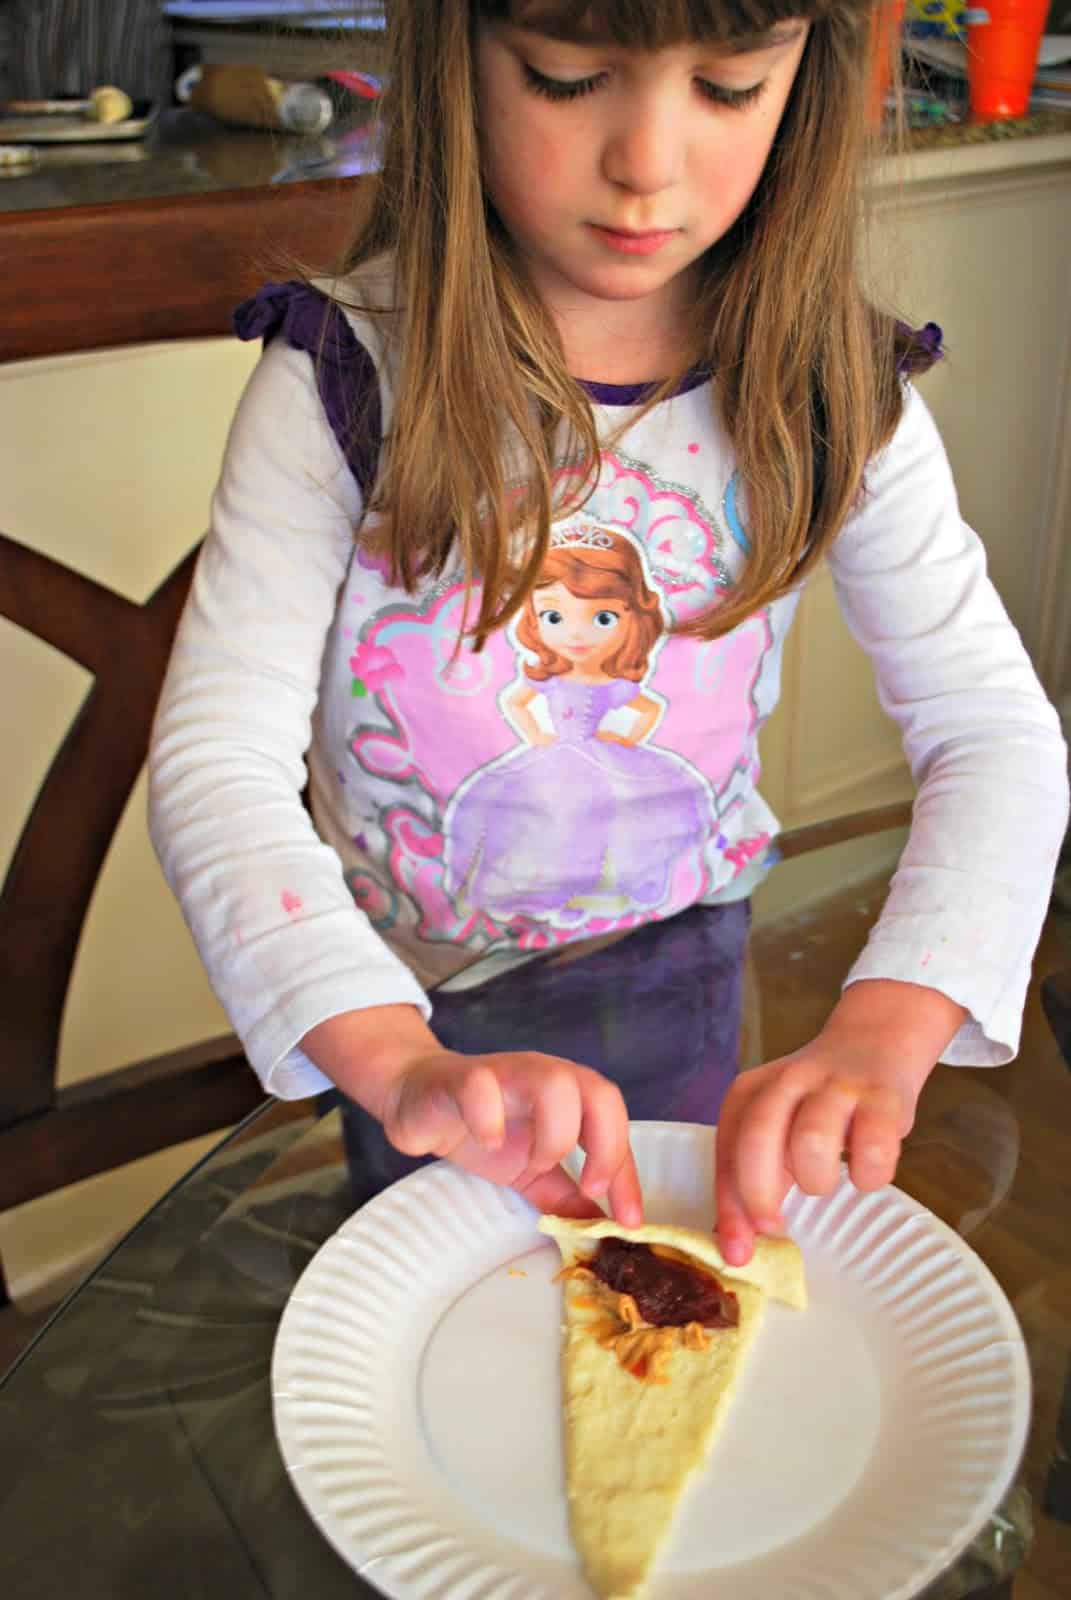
(72, 283)
(50, 1137)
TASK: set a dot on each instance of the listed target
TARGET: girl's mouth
(633, 244)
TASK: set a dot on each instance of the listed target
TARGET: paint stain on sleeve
(292, 903)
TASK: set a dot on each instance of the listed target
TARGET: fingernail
(595, 1186)
(734, 1250)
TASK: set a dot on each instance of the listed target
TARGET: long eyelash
(736, 99)
(573, 89)
(556, 89)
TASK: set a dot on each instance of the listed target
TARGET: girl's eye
(560, 88)
(606, 619)
(736, 99)
(574, 88)
(551, 617)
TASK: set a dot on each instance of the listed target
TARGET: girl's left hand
(849, 1094)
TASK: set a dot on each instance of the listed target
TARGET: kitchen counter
(123, 243)
(967, 150)
(188, 153)
(956, 135)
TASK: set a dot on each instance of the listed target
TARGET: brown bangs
(652, 24)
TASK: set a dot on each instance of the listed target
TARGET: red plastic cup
(1003, 39)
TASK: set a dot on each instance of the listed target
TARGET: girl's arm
(971, 890)
(315, 995)
(945, 970)
(278, 932)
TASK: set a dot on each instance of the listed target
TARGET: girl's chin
(621, 280)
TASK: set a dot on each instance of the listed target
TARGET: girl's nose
(644, 152)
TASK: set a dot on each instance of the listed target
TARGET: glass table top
(137, 1450)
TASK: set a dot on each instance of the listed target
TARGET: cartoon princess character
(585, 820)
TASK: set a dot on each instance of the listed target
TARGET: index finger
(610, 1167)
(625, 1195)
(736, 1235)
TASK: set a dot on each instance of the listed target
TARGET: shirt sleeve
(967, 902)
(283, 943)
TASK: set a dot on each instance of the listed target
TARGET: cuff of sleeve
(990, 1035)
(273, 1050)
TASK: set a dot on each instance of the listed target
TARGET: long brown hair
(805, 367)
(613, 572)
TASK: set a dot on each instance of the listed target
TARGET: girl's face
(614, 169)
(585, 632)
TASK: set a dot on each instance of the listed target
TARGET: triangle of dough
(632, 1447)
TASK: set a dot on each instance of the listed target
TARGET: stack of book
(1052, 85)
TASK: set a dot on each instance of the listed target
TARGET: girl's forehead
(652, 24)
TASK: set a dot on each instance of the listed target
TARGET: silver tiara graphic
(581, 539)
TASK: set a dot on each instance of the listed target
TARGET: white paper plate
(415, 1384)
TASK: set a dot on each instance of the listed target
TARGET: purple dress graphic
(584, 820)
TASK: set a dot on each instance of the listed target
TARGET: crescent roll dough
(631, 1446)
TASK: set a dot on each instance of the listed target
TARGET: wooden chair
(82, 280)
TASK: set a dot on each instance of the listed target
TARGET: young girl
(602, 304)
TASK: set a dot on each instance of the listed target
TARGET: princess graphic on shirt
(585, 820)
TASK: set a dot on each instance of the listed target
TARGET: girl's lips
(634, 244)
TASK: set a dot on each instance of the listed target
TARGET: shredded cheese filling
(642, 1349)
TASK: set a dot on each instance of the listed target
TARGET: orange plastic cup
(887, 27)
(1003, 39)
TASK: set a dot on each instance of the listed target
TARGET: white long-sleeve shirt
(554, 787)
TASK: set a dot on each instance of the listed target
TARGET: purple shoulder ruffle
(920, 348)
(345, 372)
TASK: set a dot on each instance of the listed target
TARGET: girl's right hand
(511, 1116)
